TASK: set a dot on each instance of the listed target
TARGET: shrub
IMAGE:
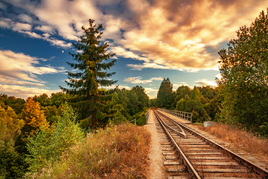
(115, 152)
(48, 144)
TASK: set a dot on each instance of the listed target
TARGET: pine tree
(92, 72)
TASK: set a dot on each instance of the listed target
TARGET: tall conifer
(90, 72)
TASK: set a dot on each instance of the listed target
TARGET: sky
(152, 39)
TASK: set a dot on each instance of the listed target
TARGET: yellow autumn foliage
(33, 116)
(10, 125)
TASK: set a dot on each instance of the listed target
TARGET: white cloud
(205, 82)
(120, 51)
(138, 80)
(23, 91)
(151, 92)
(20, 67)
(218, 76)
(45, 28)
(25, 18)
(21, 26)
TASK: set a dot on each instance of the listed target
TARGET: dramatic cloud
(138, 80)
(170, 34)
(19, 72)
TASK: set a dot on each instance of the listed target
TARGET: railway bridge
(178, 151)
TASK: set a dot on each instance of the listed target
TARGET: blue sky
(152, 39)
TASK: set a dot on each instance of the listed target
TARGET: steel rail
(182, 134)
(188, 164)
(235, 156)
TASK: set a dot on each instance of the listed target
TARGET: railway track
(191, 155)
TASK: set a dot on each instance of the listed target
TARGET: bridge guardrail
(182, 114)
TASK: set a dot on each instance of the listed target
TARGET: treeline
(204, 102)
(241, 98)
(41, 128)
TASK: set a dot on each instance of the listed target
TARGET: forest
(35, 132)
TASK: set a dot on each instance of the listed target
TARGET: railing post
(182, 114)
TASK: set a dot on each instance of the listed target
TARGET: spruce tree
(90, 72)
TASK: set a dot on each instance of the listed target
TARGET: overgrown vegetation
(114, 152)
(47, 145)
(247, 141)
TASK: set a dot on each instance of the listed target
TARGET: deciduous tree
(33, 117)
(165, 95)
(244, 74)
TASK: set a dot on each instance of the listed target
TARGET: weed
(119, 152)
(240, 138)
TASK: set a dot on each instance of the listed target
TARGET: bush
(141, 118)
(48, 144)
(115, 152)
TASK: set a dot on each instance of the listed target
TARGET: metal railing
(184, 115)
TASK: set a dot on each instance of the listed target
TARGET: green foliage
(126, 104)
(208, 92)
(244, 74)
(48, 144)
(15, 103)
(141, 118)
(115, 111)
(143, 99)
(184, 99)
(152, 102)
(165, 95)
(92, 71)
(59, 99)
(51, 113)
(264, 129)
(43, 99)
(181, 92)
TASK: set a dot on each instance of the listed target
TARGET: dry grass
(240, 138)
(117, 152)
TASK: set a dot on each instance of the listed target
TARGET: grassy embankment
(240, 139)
(115, 152)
